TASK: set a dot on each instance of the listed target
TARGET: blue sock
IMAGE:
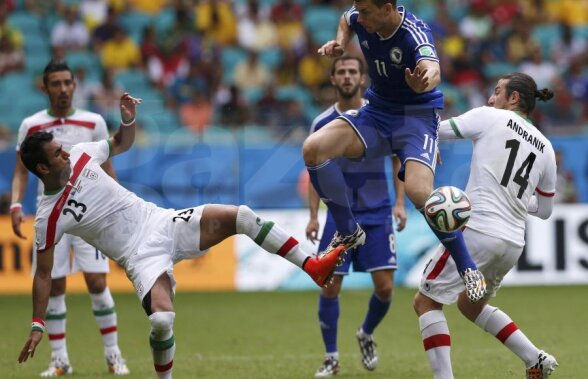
(328, 313)
(376, 312)
(327, 178)
(455, 244)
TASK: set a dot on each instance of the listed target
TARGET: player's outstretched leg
(55, 323)
(538, 363)
(105, 315)
(272, 238)
(163, 346)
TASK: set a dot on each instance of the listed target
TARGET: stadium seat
(132, 80)
(86, 59)
(321, 17)
(297, 93)
(546, 35)
(496, 69)
(271, 58)
(24, 21)
(135, 22)
(164, 20)
(230, 57)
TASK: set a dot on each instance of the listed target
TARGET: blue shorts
(411, 135)
(378, 252)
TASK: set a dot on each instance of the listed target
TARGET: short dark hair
(527, 89)
(55, 65)
(348, 58)
(32, 152)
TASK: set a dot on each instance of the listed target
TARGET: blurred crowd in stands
(253, 63)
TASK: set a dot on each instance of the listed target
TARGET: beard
(348, 94)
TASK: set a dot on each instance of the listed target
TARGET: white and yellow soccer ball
(447, 209)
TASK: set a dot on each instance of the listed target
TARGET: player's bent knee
(310, 150)
(161, 324)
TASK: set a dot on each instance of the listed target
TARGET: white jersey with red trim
(511, 159)
(80, 126)
(94, 207)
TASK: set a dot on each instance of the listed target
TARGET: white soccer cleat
(475, 284)
(350, 242)
(59, 366)
(329, 368)
(367, 346)
(544, 367)
(117, 365)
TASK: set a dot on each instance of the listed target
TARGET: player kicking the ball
(80, 199)
(513, 173)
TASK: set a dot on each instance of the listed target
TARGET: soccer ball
(447, 209)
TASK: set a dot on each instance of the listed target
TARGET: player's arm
(425, 77)
(541, 206)
(123, 139)
(336, 47)
(470, 125)
(313, 205)
(541, 203)
(20, 180)
(41, 290)
(399, 211)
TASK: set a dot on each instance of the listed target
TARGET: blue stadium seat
(271, 58)
(86, 59)
(24, 21)
(497, 69)
(297, 93)
(546, 35)
(321, 17)
(230, 57)
(134, 23)
(35, 63)
(252, 95)
(132, 80)
(164, 20)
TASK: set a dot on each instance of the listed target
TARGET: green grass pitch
(276, 335)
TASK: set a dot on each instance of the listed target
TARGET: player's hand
(30, 346)
(16, 217)
(418, 79)
(312, 230)
(331, 49)
(399, 215)
(128, 110)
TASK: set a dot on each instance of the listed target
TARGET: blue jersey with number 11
(388, 57)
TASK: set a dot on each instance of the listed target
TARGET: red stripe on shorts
(437, 340)
(506, 332)
(439, 265)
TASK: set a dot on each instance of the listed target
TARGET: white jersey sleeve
(546, 185)
(100, 132)
(470, 125)
(22, 133)
(99, 150)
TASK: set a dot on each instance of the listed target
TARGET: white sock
(270, 236)
(497, 323)
(163, 346)
(105, 315)
(55, 321)
(437, 343)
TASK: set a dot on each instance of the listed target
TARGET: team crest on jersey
(364, 43)
(427, 51)
(396, 55)
(76, 187)
(87, 173)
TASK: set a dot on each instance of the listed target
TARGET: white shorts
(494, 257)
(174, 237)
(85, 258)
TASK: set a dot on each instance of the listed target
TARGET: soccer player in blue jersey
(367, 185)
(400, 118)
